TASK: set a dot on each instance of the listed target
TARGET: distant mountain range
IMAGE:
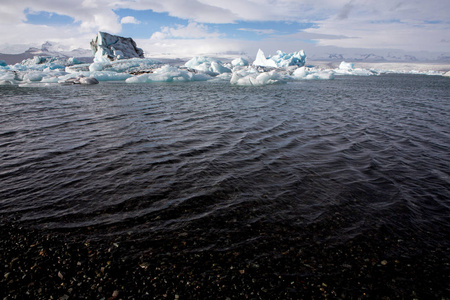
(46, 49)
(386, 56)
(86, 55)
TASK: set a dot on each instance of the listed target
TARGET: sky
(183, 28)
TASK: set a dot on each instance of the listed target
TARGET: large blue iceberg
(107, 47)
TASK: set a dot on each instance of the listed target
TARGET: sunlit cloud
(129, 20)
(414, 25)
(259, 31)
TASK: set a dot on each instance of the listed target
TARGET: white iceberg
(47, 62)
(8, 78)
(207, 65)
(281, 59)
(168, 74)
(129, 65)
(252, 77)
(346, 68)
(239, 62)
(82, 80)
(99, 75)
(107, 47)
(304, 73)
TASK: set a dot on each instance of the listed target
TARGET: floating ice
(346, 68)
(99, 75)
(33, 76)
(47, 62)
(133, 65)
(8, 78)
(207, 65)
(2, 63)
(304, 73)
(82, 80)
(168, 74)
(280, 60)
(280, 68)
(239, 62)
(252, 77)
(107, 47)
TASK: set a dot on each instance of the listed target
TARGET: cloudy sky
(182, 28)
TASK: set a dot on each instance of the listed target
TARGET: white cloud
(413, 24)
(389, 25)
(258, 31)
(191, 31)
(129, 20)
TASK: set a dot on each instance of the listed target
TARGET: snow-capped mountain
(48, 49)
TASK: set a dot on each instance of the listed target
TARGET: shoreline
(43, 264)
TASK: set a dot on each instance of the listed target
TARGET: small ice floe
(6, 82)
(81, 80)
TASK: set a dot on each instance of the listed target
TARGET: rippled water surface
(207, 157)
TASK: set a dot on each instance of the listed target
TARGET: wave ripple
(357, 153)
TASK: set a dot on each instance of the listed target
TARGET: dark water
(207, 157)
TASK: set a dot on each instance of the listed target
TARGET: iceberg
(253, 77)
(346, 68)
(82, 80)
(51, 62)
(281, 59)
(207, 65)
(132, 65)
(304, 73)
(8, 78)
(239, 62)
(99, 75)
(262, 61)
(107, 47)
(168, 74)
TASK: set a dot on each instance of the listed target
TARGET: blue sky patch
(47, 18)
(150, 22)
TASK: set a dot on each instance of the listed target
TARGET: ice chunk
(50, 62)
(107, 47)
(74, 61)
(447, 74)
(304, 73)
(77, 68)
(252, 77)
(281, 59)
(40, 76)
(126, 65)
(99, 75)
(168, 74)
(261, 60)
(82, 80)
(33, 76)
(346, 68)
(2, 63)
(207, 65)
(98, 66)
(239, 62)
(8, 78)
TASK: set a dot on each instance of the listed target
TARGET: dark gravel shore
(274, 263)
